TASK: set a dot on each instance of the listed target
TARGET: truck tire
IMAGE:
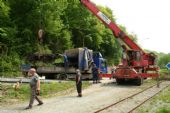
(139, 81)
(120, 81)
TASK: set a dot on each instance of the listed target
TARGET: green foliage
(164, 71)
(58, 37)
(164, 60)
(25, 16)
(4, 13)
(66, 24)
(47, 90)
(4, 8)
(165, 97)
(163, 110)
(10, 65)
(90, 32)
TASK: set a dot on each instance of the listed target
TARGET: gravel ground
(95, 97)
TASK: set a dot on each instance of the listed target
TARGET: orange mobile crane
(138, 64)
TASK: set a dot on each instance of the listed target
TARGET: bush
(10, 65)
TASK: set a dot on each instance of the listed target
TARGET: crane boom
(118, 33)
(136, 64)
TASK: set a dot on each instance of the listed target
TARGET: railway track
(131, 103)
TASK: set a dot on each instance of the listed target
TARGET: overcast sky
(148, 19)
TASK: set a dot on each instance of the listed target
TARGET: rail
(132, 96)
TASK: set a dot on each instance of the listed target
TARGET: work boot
(79, 95)
(40, 104)
(28, 107)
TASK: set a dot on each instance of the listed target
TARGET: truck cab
(100, 62)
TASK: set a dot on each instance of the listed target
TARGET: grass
(163, 110)
(143, 110)
(159, 104)
(165, 71)
(164, 74)
(165, 96)
(9, 95)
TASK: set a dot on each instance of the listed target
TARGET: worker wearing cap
(95, 73)
(35, 88)
(78, 83)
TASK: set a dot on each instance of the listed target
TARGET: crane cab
(135, 59)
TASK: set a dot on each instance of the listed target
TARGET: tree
(65, 24)
(30, 16)
(164, 60)
(88, 31)
(58, 37)
(25, 16)
(6, 26)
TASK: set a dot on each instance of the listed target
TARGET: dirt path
(95, 97)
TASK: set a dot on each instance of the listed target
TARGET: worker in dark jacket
(35, 88)
(78, 83)
(95, 73)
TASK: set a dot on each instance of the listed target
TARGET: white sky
(148, 19)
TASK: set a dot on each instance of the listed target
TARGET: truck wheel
(119, 80)
(139, 81)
